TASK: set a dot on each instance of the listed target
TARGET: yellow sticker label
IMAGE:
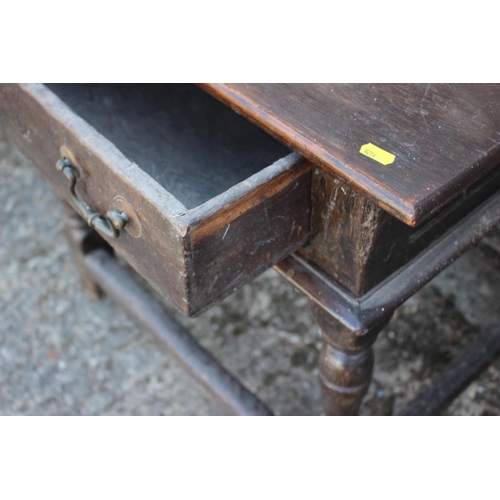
(377, 154)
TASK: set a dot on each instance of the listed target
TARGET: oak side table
(358, 194)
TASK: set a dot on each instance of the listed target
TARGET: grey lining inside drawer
(193, 145)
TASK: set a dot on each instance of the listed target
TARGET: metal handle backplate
(109, 226)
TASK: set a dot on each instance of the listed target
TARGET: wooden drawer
(212, 201)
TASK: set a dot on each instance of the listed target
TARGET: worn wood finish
(360, 245)
(360, 314)
(193, 257)
(448, 384)
(346, 363)
(353, 240)
(242, 234)
(212, 202)
(39, 124)
(444, 136)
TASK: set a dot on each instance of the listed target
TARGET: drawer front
(39, 125)
(181, 253)
(249, 232)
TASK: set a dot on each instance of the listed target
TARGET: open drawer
(211, 200)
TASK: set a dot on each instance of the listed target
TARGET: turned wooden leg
(82, 240)
(345, 365)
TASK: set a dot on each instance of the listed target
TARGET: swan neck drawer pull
(109, 226)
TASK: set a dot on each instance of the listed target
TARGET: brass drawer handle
(110, 225)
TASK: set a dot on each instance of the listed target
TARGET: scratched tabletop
(412, 148)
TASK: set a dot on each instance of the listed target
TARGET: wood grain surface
(444, 136)
(246, 230)
(359, 244)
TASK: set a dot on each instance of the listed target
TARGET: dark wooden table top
(412, 148)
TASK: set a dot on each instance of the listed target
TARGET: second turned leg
(345, 365)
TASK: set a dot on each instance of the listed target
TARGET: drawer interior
(190, 143)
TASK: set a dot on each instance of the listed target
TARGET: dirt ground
(63, 354)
